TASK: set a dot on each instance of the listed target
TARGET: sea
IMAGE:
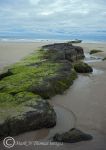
(85, 39)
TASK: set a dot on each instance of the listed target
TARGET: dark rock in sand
(72, 136)
(82, 67)
(93, 51)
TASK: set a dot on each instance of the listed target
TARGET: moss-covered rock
(24, 112)
(95, 51)
(82, 67)
(57, 84)
(72, 136)
(24, 78)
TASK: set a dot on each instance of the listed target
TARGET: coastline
(86, 47)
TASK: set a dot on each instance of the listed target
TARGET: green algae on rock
(22, 79)
(56, 84)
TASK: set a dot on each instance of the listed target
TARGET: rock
(93, 51)
(72, 136)
(55, 84)
(41, 116)
(82, 67)
(61, 51)
(30, 115)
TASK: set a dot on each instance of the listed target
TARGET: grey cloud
(56, 15)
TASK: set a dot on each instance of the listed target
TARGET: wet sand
(86, 98)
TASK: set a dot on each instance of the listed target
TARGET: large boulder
(72, 136)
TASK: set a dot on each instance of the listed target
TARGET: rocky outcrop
(24, 87)
(72, 136)
(32, 115)
(62, 51)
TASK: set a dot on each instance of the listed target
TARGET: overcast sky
(52, 17)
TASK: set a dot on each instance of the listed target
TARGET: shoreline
(22, 40)
(93, 64)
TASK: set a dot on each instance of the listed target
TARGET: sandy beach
(11, 52)
(86, 98)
